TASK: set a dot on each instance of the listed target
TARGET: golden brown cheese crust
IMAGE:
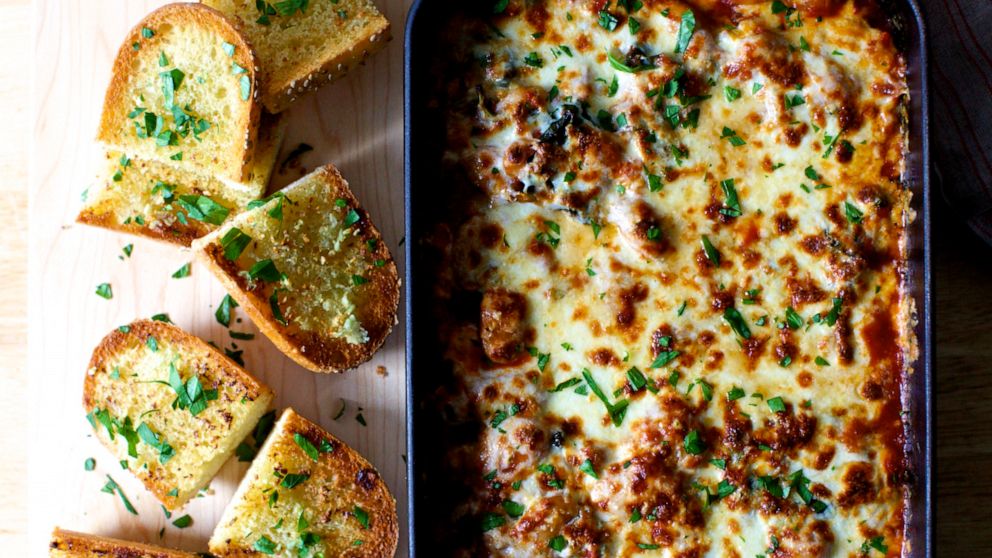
(708, 237)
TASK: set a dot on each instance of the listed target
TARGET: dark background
(963, 387)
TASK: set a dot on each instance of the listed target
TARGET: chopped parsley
(693, 444)
(266, 271)
(608, 21)
(771, 485)
(588, 468)
(793, 319)
(853, 214)
(165, 451)
(566, 384)
(112, 487)
(638, 381)
(182, 272)
(664, 357)
(189, 394)
(265, 545)
(686, 28)
(223, 313)
(234, 243)
(731, 136)
(877, 543)
(513, 509)
(736, 321)
(202, 208)
(792, 101)
(491, 521)
(104, 290)
(362, 516)
(534, 59)
(292, 480)
(245, 85)
(620, 66)
(732, 207)
(776, 404)
(711, 252)
(616, 410)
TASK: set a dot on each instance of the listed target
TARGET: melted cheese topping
(693, 334)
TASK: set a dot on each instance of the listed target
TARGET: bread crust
(73, 544)
(167, 334)
(115, 107)
(316, 352)
(348, 470)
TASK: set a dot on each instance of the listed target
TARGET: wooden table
(356, 123)
(963, 435)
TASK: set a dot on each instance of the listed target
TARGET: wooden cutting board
(355, 123)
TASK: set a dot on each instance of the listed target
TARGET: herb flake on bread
(174, 204)
(308, 494)
(169, 406)
(185, 84)
(311, 270)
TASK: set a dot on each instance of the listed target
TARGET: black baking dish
(424, 140)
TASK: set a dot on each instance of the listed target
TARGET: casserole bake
(677, 300)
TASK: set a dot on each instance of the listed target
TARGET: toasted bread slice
(151, 199)
(70, 544)
(303, 47)
(311, 270)
(185, 81)
(308, 491)
(170, 406)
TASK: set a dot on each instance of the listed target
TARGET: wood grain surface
(15, 26)
(355, 123)
(963, 387)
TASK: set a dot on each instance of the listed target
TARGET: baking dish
(424, 139)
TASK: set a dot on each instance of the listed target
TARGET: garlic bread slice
(169, 406)
(170, 204)
(185, 84)
(303, 45)
(311, 270)
(308, 494)
(70, 544)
